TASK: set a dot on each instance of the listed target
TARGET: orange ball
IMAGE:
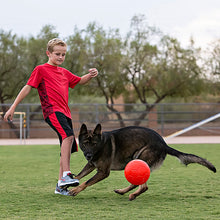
(137, 172)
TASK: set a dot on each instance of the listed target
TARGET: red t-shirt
(53, 84)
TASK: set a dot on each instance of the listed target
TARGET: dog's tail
(190, 158)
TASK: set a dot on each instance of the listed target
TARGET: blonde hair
(54, 42)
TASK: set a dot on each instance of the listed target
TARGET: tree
(18, 58)
(77, 56)
(12, 59)
(214, 58)
(36, 47)
(212, 67)
(106, 55)
(147, 65)
(94, 47)
(159, 71)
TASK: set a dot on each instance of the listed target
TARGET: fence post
(152, 119)
(162, 119)
(96, 113)
(28, 122)
(21, 127)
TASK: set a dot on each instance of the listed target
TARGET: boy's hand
(9, 115)
(93, 72)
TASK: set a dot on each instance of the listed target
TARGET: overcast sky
(178, 18)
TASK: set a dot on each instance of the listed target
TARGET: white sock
(59, 181)
(65, 173)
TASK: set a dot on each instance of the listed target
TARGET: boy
(53, 83)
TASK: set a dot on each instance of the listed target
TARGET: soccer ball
(137, 172)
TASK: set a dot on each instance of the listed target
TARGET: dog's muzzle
(88, 156)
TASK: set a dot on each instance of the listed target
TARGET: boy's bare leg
(65, 155)
(65, 177)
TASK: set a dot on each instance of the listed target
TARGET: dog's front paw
(73, 192)
(78, 189)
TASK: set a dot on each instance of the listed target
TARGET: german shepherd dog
(114, 149)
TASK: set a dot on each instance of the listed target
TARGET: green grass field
(29, 175)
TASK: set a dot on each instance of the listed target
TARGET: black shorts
(63, 127)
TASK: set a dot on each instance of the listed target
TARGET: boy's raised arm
(92, 73)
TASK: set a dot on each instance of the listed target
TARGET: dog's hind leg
(125, 190)
(142, 188)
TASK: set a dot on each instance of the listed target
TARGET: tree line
(146, 66)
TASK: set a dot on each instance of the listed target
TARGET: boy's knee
(69, 138)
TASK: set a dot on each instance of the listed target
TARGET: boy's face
(57, 57)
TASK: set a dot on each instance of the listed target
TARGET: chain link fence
(164, 118)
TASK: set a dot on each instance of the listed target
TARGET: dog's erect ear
(97, 129)
(83, 129)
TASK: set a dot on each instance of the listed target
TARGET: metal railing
(165, 118)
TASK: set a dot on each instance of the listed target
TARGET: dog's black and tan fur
(113, 150)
